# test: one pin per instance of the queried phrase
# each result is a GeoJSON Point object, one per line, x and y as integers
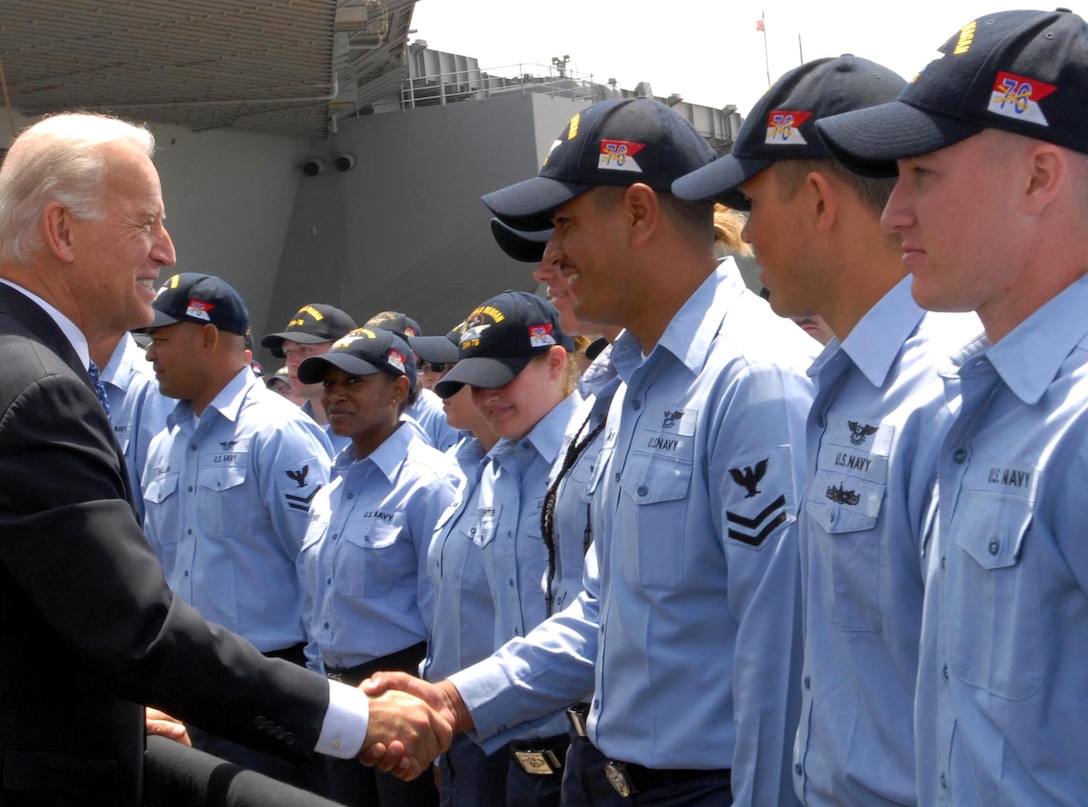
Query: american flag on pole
{"type": "Point", "coordinates": [760, 27]}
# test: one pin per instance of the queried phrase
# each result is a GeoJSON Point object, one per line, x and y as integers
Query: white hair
{"type": "Point", "coordinates": [59, 159]}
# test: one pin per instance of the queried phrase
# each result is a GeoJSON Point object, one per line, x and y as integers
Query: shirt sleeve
{"type": "Point", "coordinates": [757, 475]}
{"type": "Point", "coordinates": [343, 730]}
{"type": "Point", "coordinates": [528, 679]}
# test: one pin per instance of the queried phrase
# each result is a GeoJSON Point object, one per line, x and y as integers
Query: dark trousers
{"type": "Point", "coordinates": [471, 778]}
{"type": "Point", "coordinates": [351, 783]}
{"type": "Point", "coordinates": [584, 781]}
{"type": "Point", "coordinates": [527, 789]}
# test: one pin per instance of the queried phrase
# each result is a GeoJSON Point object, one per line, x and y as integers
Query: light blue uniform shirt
{"type": "Point", "coordinates": [227, 506]}
{"type": "Point", "coordinates": [598, 385]}
{"type": "Point", "coordinates": [363, 562]}
{"type": "Point", "coordinates": [1002, 707]}
{"type": "Point", "coordinates": [873, 435]}
{"type": "Point", "coordinates": [464, 615]}
{"type": "Point", "coordinates": [697, 596]}
{"type": "Point", "coordinates": [137, 409]}
{"type": "Point", "coordinates": [430, 416]}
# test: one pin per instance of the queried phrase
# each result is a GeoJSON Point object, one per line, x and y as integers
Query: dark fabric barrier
{"type": "Point", "coordinates": [178, 776]}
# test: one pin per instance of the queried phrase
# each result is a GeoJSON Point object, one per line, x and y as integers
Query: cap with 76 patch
{"type": "Point", "coordinates": [1019, 71]}
{"type": "Point", "coordinates": [500, 337]}
{"type": "Point", "coordinates": [621, 141]}
{"type": "Point", "coordinates": [782, 125]}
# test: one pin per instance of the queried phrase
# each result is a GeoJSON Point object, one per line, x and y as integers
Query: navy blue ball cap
{"type": "Point", "coordinates": [311, 325]}
{"type": "Point", "coordinates": [395, 321]}
{"type": "Point", "coordinates": [783, 124]}
{"type": "Point", "coordinates": [526, 246]}
{"type": "Point", "coordinates": [1019, 71]}
{"type": "Point", "coordinates": [363, 351]}
{"type": "Point", "coordinates": [500, 338]}
{"type": "Point", "coordinates": [621, 141]}
{"type": "Point", "coordinates": [439, 349]}
{"type": "Point", "coordinates": [200, 298]}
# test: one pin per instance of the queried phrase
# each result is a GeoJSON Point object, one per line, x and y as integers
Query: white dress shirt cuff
{"type": "Point", "coordinates": [344, 728]}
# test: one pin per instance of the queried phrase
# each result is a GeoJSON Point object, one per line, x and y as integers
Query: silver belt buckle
{"type": "Point", "coordinates": [577, 720]}
{"type": "Point", "coordinates": [617, 775]}
{"type": "Point", "coordinates": [538, 763]}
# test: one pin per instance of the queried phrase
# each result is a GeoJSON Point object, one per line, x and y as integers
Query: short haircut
{"type": "Point", "coordinates": [873, 193]}
{"type": "Point", "coordinates": [695, 217]}
{"type": "Point", "coordinates": [59, 159]}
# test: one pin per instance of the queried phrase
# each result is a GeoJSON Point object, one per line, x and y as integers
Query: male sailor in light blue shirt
{"type": "Point", "coordinates": [992, 208]}
{"type": "Point", "coordinates": [228, 483]}
{"type": "Point", "coordinates": [137, 409]}
{"type": "Point", "coordinates": [689, 635]}
{"type": "Point", "coordinates": [311, 332]}
{"type": "Point", "coordinates": [872, 434]}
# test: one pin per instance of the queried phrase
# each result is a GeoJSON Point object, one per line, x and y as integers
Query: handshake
{"type": "Point", "coordinates": [411, 723]}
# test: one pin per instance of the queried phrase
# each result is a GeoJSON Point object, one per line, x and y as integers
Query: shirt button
{"type": "Point", "coordinates": [636, 404]}
{"type": "Point", "coordinates": [336, 744]}
{"type": "Point", "coordinates": [328, 581]}
{"type": "Point", "coordinates": [808, 682]}
{"type": "Point", "coordinates": [596, 703]}
{"type": "Point", "coordinates": [942, 561]}
{"type": "Point", "coordinates": [192, 447]}
{"type": "Point", "coordinates": [186, 573]}
{"type": "Point", "coordinates": [190, 488]}
{"type": "Point", "coordinates": [472, 531]}
{"type": "Point", "coordinates": [944, 782]}
{"type": "Point", "coordinates": [617, 476]}
{"type": "Point", "coordinates": [994, 547]}
{"type": "Point", "coordinates": [335, 535]}
{"type": "Point", "coordinates": [820, 421]}
{"type": "Point", "coordinates": [959, 456]}
{"type": "Point", "coordinates": [944, 671]}
{"type": "Point", "coordinates": [326, 626]}
{"type": "Point", "coordinates": [797, 768]}
{"type": "Point", "coordinates": [189, 532]}
{"type": "Point", "coordinates": [642, 491]}
{"type": "Point", "coordinates": [351, 496]}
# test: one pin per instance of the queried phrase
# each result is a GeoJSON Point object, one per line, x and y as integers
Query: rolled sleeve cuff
{"type": "Point", "coordinates": [346, 721]}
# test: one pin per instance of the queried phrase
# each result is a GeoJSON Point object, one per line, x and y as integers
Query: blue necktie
{"type": "Point", "coordinates": [99, 387]}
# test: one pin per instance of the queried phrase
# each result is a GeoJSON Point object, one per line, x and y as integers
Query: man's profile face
{"type": "Point", "coordinates": [775, 231]}
{"type": "Point", "coordinates": [584, 247]}
{"type": "Point", "coordinates": [175, 354]}
{"type": "Point", "coordinates": [297, 352]}
{"type": "Point", "coordinates": [954, 210]}
{"type": "Point", "coordinates": [118, 254]}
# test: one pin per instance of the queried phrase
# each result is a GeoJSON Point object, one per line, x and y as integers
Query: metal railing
{"type": "Point", "coordinates": [475, 84]}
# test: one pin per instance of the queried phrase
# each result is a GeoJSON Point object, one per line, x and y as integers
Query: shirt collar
{"type": "Point", "coordinates": [122, 364]}
{"type": "Point", "coordinates": [692, 329]}
{"type": "Point", "coordinates": [875, 342]}
{"type": "Point", "coordinates": [227, 402]}
{"type": "Point", "coordinates": [67, 327]}
{"type": "Point", "coordinates": [546, 437]}
{"type": "Point", "coordinates": [387, 457]}
{"type": "Point", "coordinates": [1031, 355]}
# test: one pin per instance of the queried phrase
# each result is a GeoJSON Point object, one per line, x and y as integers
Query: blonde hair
{"type": "Point", "coordinates": [728, 225]}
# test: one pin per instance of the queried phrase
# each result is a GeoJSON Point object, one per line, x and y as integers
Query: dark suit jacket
{"type": "Point", "coordinates": [88, 627]}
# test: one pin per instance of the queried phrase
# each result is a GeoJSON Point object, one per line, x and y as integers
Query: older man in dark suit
{"type": "Point", "coordinates": [88, 628]}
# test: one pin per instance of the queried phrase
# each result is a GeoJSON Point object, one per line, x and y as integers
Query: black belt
{"type": "Point", "coordinates": [628, 778]}
{"type": "Point", "coordinates": [541, 757]}
{"type": "Point", "coordinates": [296, 654]}
{"type": "Point", "coordinates": [406, 660]}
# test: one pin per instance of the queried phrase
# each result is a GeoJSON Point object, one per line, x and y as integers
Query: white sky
{"type": "Point", "coordinates": [706, 50]}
